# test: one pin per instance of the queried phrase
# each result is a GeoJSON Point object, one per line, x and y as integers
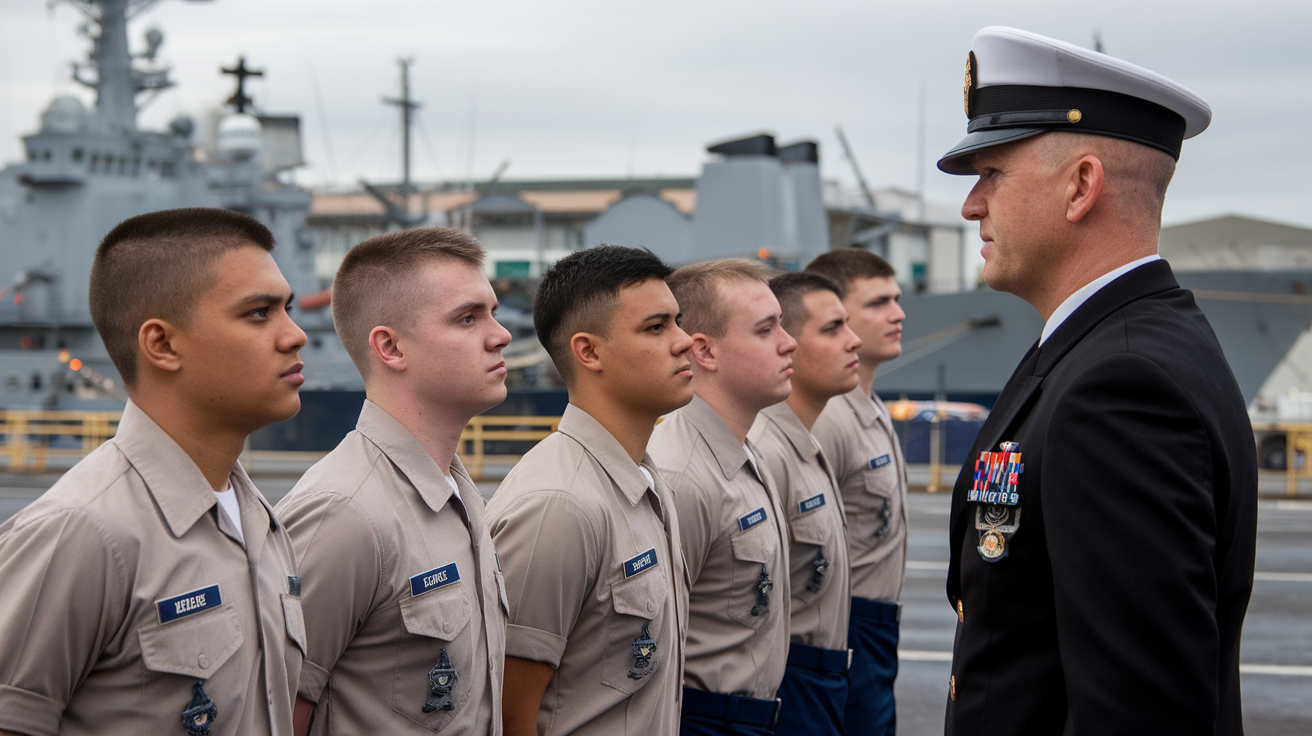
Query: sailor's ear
{"type": "Point", "coordinates": [385, 344]}
{"type": "Point", "coordinates": [703, 352]}
{"type": "Point", "coordinates": [584, 346]}
{"type": "Point", "coordinates": [155, 343]}
{"type": "Point", "coordinates": [1083, 188]}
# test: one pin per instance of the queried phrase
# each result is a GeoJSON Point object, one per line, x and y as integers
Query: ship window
{"type": "Point", "coordinates": [36, 381]}
{"type": "Point", "coordinates": [13, 382]}
{"type": "Point", "coordinates": [46, 155]}
{"type": "Point", "coordinates": [77, 154]}
{"type": "Point", "coordinates": [95, 159]}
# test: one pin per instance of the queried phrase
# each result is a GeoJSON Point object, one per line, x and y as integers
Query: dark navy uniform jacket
{"type": "Point", "coordinates": [1118, 606]}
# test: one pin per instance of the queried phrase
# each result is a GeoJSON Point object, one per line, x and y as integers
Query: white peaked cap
{"type": "Point", "coordinates": [1020, 84]}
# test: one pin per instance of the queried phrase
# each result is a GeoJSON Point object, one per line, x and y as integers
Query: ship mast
{"type": "Point", "coordinates": [116, 81]}
{"type": "Point", "coordinates": [407, 107]}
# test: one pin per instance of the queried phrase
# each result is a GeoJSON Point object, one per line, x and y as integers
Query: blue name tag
{"type": "Point", "coordinates": [879, 462]}
{"type": "Point", "coordinates": [644, 561]}
{"type": "Point", "coordinates": [433, 579]}
{"type": "Point", "coordinates": [812, 503]}
{"type": "Point", "coordinates": [172, 609]}
{"type": "Point", "coordinates": [750, 520]}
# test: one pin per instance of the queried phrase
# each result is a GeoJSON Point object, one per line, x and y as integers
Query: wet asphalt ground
{"type": "Point", "coordinates": [1277, 642]}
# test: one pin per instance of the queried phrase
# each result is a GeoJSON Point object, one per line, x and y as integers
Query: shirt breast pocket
{"type": "Point", "coordinates": [634, 647]}
{"type": "Point", "coordinates": [193, 646]}
{"type": "Point", "coordinates": [752, 584]}
{"type": "Point", "coordinates": [877, 506]}
{"type": "Point", "coordinates": [815, 530]}
{"type": "Point", "coordinates": [435, 652]}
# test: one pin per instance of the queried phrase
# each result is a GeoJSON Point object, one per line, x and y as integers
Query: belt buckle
{"type": "Point", "coordinates": [774, 717]}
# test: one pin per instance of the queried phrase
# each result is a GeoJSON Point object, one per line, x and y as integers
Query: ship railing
{"type": "Point", "coordinates": [33, 439]}
{"type": "Point", "coordinates": [1298, 450]}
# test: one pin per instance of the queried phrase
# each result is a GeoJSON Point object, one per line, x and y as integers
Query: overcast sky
{"type": "Point", "coordinates": [577, 88]}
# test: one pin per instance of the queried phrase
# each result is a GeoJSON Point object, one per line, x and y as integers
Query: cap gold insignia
{"type": "Point", "coordinates": [1074, 116]}
{"type": "Point", "coordinates": [970, 80]}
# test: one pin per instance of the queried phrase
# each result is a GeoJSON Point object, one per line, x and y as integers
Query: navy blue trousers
{"type": "Point", "coordinates": [814, 692]}
{"type": "Point", "coordinates": [872, 634]}
{"type": "Point", "coordinates": [711, 714]}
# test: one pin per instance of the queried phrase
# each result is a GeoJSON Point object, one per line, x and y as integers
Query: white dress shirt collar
{"type": "Point", "coordinates": [1073, 302]}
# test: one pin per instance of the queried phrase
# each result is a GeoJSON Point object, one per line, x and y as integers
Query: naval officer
{"type": "Point", "coordinates": [404, 604]}
{"type": "Point", "coordinates": [151, 590]}
{"type": "Point", "coordinates": [587, 531]}
{"type": "Point", "coordinates": [735, 538]}
{"type": "Point", "coordinates": [815, 685]}
{"type": "Point", "coordinates": [1103, 529]}
{"type": "Point", "coordinates": [856, 433]}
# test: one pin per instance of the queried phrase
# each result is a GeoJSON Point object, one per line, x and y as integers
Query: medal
{"type": "Point", "coordinates": [995, 524]}
{"type": "Point", "coordinates": [997, 476]}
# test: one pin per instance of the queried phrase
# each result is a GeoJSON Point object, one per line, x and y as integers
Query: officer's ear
{"type": "Point", "coordinates": [155, 342]}
{"type": "Point", "coordinates": [1084, 187]}
{"type": "Point", "coordinates": [385, 344]}
{"type": "Point", "coordinates": [584, 347]}
{"type": "Point", "coordinates": [703, 352]}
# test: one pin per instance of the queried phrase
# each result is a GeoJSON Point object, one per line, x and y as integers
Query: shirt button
{"type": "Point", "coordinates": [203, 662]}
{"type": "Point", "coordinates": [961, 611]}
{"type": "Point", "coordinates": [650, 606]}
{"type": "Point", "coordinates": [446, 628]}
{"type": "Point", "coordinates": [952, 687]}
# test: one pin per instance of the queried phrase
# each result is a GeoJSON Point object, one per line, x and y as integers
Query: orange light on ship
{"type": "Point", "coordinates": [763, 253]}
{"type": "Point", "coordinates": [75, 364]}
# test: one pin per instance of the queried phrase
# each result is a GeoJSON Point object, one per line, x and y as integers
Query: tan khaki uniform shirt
{"type": "Point", "coordinates": [821, 572]}
{"type": "Point", "coordinates": [595, 580]}
{"type": "Point", "coordinates": [857, 436]}
{"type": "Point", "coordinates": [122, 587]}
{"type": "Point", "coordinates": [732, 529]}
{"type": "Point", "coordinates": [399, 573]}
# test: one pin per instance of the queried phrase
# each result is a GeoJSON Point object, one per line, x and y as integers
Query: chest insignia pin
{"type": "Point", "coordinates": [441, 681]}
{"type": "Point", "coordinates": [200, 714]}
{"type": "Point", "coordinates": [763, 587]}
{"type": "Point", "coordinates": [644, 655]}
{"type": "Point", "coordinates": [821, 566]}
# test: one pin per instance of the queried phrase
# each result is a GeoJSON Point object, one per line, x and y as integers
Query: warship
{"type": "Point", "coordinates": [85, 170]}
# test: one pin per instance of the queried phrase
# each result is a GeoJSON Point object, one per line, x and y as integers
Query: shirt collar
{"type": "Point", "coordinates": [607, 451]}
{"type": "Point", "coordinates": [863, 405]}
{"type": "Point", "coordinates": [726, 449]}
{"type": "Point", "coordinates": [172, 478]}
{"type": "Point", "coordinates": [783, 417]}
{"type": "Point", "coordinates": [406, 453]}
{"type": "Point", "coordinates": [1073, 302]}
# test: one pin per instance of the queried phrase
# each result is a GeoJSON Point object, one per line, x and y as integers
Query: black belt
{"type": "Point", "coordinates": [820, 660]}
{"type": "Point", "coordinates": [877, 610]}
{"type": "Point", "coordinates": [731, 708]}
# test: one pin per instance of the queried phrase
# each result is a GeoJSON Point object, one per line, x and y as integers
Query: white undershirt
{"type": "Point", "coordinates": [651, 483]}
{"type": "Point", "coordinates": [455, 488]}
{"type": "Point", "coordinates": [228, 502]}
{"type": "Point", "coordinates": [1073, 302]}
{"type": "Point", "coordinates": [752, 459]}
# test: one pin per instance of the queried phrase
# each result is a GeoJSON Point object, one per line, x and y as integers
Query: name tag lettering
{"type": "Point", "coordinates": [172, 609]}
{"type": "Point", "coordinates": [747, 521]}
{"type": "Point", "coordinates": [644, 561]}
{"type": "Point", "coordinates": [879, 462]}
{"type": "Point", "coordinates": [433, 579]}
{"type": "Point", "coordinates": [812, 503]}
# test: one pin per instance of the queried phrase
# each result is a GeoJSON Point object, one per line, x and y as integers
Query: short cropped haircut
{"type": "Point", "coordinates": [791, 289]}
{"type": "Point", "coordinates": [157, 266]}
{"type": "Point", "coordinates": [378, 283]}
{"type": "Point", "coordinates": [579, 294]}
{"type": "Point", "coordinates": [845, 265]}
{"type": "Point", "coordinates": [697, 288]}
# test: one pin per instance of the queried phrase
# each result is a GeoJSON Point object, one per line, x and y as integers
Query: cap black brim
{"type": "Point", "coordinates": [957, 160]}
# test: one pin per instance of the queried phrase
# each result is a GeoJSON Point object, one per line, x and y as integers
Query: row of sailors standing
{"type": "Point", "coordinates": [691, 580]}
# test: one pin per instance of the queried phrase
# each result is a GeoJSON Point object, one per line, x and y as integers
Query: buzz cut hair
{"type": "Point", "coordinates": [845, 265]}
{"type": "Point", "coordinates": [379, 282]}
{"type": "Point", "coordinates": [157, 266]}
{"type": "Point", "coordinates": [697, 289]}
{"type": "Point", "coordinates": [579, 293]}
{"type": "Point", "coordinates": [791, 289]}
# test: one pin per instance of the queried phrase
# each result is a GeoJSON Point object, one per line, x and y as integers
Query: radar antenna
{"type": "Point", "coordinates": [239, 100]}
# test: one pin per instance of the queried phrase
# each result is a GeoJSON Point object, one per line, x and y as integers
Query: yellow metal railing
{"type": "Point", "coordinates": [1298, 451]}
{"type": "Point", "coordinates": [32, 438]}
